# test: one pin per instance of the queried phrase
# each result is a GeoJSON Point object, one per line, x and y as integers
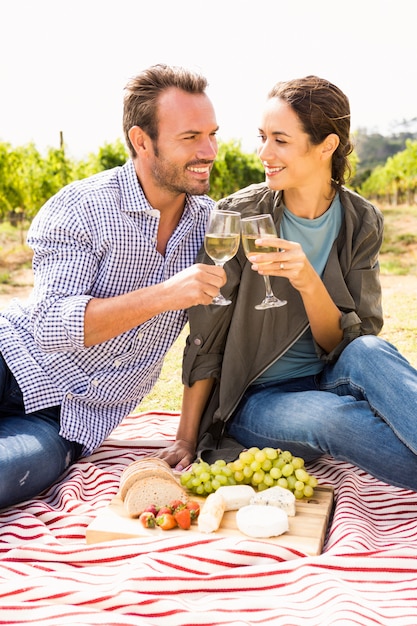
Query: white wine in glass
{"type": "Point", "coordinates": [221, 241]}
{"type": "Point", "coordinates": [253, 228]}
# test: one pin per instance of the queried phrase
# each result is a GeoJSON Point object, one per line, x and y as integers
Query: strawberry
{"type": "Point", "coordinates": [147, 519]}
{"type": "Point", "coordinates": [194, 508]}
{"type": "Point", "coordinates": [166, 521]}
{"type": "Point", "coordinates": [164, 509]}
{"type": "Point", "coordinates": [183, 518]}
{"type": "Point", "coordinates": [176, 504]}
{"type": "Point", "coordinates": [152, 508]}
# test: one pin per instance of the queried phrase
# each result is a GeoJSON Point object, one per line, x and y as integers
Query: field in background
{"type": "Point", "coordinates": [398, 276]}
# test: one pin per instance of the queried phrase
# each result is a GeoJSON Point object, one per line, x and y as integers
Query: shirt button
{"type": "Point", "coordinates": [197, 341]}
{"type": "Point", "coordinates": [95, 382]}
{"type": "Point", "coordinates": [117, 363]}
{"type": "Point", "coordinates": [69, 396]}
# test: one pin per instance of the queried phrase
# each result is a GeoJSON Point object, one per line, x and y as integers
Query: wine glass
{"type": "Point", "coordinates": [257, 227]}
{"type": "Point", "coordinates": [221, 241]}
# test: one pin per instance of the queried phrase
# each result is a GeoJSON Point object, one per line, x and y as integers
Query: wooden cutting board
{"type": "Point", "coordinates": [307, 529]}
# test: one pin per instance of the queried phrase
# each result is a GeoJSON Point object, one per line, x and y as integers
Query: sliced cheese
{"type": "Point", "coordinates": [211, 513]}
{"type": "Point", "coordinates": [257, 520]}
{"type": "Point", "coordinates": [236, 496]}
{"type": "Point", "coordinates": [276, 496]}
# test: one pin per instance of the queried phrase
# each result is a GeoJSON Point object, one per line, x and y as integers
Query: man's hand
{"type": "Point", "coordinates": [197, 284]}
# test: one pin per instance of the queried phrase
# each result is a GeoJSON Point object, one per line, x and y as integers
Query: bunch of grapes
{"type": "Point", "coordinates": [260, 468]}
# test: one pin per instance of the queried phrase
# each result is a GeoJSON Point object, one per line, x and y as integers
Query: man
{"type": "Point", "coordinates": [114, 270]}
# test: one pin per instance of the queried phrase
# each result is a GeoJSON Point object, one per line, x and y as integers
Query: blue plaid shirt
{"type": "Point", "coordinates": [95, 238]}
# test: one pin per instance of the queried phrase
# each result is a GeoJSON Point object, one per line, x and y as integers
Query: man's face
{"type": "Point", "coordinates": [187, 145]}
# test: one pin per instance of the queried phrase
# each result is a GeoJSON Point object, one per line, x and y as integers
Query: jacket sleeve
{"type": "Point", "coordinates": [361, 300]}
{"type": "Point", "coordinates": [209, 327]}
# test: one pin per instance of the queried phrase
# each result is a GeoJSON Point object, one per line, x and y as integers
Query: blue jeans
{"type": "Point", "coordinates": [361, 409]}
{"type": "Point", "coordinates": [32, 453]}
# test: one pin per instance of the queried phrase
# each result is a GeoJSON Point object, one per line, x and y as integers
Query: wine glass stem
{"type": "Point", "coordinates": [268, 288]}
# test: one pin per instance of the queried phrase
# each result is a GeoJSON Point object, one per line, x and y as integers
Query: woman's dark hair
{"type": "Point", "coordinates": [322, 109]}
{"type": "Point", "coordinates": [142, 93]}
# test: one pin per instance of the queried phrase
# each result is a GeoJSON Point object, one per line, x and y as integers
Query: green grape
{"type": "Point", "coordinates": [255, 466]}
{"type": "Point", "coordinates": [237, 466]}
{"type": "Point", "coordinates": [301, 474]}
{"type": "Point", "coordinates": [215, 484]}
{"type": "Point", "coordinates": [204, 476]}
{"type": "Point", "coordinates": [253, 450]}
{"type": "Point", "coordinates": [185, 477]}
{"type": "Point", "coordinates": [260, 456]}
{"type": "Point", "coordinates": [291, 480]}
{"type": "Point", "coordinates": [200, 489]}
{"type": "Point", "coordinates": [287, 456]}
{"type": "Point", "coordinates": [298, 494]}
{"type": "Point", "coordinates": [287, 470]}
{"type": "Point", "coordinates": [275, 473]}
{"type": "Point", "coordinates": [279, 462]}
{"type": "Point", "coordinates": [247, 471]}
{"type": "Point", "coordinates": [308, 491]}
{"type": "Point", "coordinates": [312, 481]}
{"type": "Point", "coordinates": [239, 476]}
{"type": "Point", "coordinates": [257, 477]}
{"type": "Point", "coordinates": [282, 482]}
{"type": "Point", "coordinates": [269, 481]}
{"type": "Point", "coordinates": [297, 462]}
{"type": "Point", "coordinates": [246, 457]}
{"type": "Point", "coordinates": [208, 487]}
{"type": "Point", "coordinates": [299, 485]}
{"type": "Point", "coordinates": [271, 453]}
{"type": "Point", "coordinates": [266, 465]}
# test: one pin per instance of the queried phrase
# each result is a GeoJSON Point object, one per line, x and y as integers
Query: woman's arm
{"type": "Point", "coordinates": [182, 452]}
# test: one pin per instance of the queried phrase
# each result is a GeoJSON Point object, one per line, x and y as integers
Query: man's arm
{"type": "Point", "coordinates": [106, 318]}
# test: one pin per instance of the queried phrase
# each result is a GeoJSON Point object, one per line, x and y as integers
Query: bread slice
{"type": "Point", "coordinates": [153, 489]}
{"type": "Point", "coordinates": [140, 469]}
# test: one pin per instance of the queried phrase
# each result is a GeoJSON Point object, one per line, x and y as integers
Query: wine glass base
{"type": "Point", "coordinates": [270, 304]}
{"type": "Point", "coordinates": [220, 301]}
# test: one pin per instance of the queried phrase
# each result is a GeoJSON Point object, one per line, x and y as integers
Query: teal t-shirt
{"type": "Point", "coordinates": [316, 238]}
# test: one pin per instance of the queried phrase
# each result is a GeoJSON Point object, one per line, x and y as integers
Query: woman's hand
{"type": "Point", "coordinates": [289, 261]}
{"type": "Point", "coordinates": [179, 455]}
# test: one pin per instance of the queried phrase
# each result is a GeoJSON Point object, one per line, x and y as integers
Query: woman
{"type": "Point", "coordinates": [310, 377]}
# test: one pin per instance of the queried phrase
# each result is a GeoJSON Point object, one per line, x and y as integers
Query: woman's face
{"type": "Point", "coordinates": [289, 158]}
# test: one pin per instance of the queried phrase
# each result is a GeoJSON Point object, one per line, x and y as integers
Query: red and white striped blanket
{"type": "Point", "coordinates": [366, 574]}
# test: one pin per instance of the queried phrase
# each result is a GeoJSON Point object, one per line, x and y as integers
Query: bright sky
{"type": "Point", "coordinates": [64, 64]}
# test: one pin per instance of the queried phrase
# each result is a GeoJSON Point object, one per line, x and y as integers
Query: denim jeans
{"type": "Point", "coordinates": [362, 409]}
{"type": "Point", "coordinates": [32, 453]}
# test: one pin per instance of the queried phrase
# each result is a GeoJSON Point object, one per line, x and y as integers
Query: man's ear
{"type": "Point", "coordinates": [139, 139]}
{"type": "Point", "coordinates": [330, 145]}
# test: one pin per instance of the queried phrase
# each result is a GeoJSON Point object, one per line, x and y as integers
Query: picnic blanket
{"type": "Point", "coordinates": [366, 574]}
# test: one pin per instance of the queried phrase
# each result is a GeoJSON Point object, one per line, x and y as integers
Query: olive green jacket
{"type": "Point", "coordinates": [235, 344]}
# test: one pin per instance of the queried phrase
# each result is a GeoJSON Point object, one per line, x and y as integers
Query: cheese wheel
{"type": "Point", "coordinates": [258, 520]}
{"type": "Point", "coordinates": [276, 496]}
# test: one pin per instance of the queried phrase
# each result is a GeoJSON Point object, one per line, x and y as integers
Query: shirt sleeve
{"type": "Point", "coordinates": [65, 265]}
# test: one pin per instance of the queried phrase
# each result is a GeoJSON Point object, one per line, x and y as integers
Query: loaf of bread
{"type": "Point", "coordinates": [149, 481]}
